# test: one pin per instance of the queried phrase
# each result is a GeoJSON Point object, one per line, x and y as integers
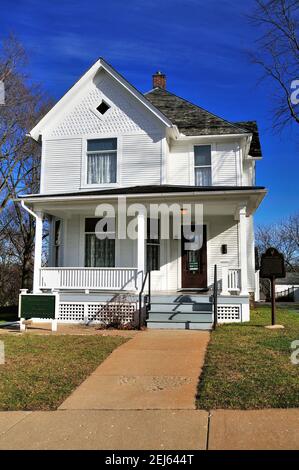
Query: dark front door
{"type": "Point", "coordinates": [194, 264]}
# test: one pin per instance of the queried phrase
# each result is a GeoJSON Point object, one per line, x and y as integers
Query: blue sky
{"type": "Point", "coordinates": [201, 45]}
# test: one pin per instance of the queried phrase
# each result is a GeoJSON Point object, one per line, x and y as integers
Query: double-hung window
{"type": "Point", "coordinates": [101, 161]}
{"type": "Point", "coordinates": [202, 165]}
{"type": "Point", "coordinates": [153, 245]}
{"type": "Point", "coordinates": [57, 241]}
{"type": "Point", "coordinates": [99, 251]}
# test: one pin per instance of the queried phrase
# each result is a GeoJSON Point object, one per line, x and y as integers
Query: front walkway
{"type": "Point", "coordinates": [143, 397]}
{"type": "Point", "coordinates": [154, 370]}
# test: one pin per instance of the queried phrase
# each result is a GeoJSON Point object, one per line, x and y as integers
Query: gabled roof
{"type": "Point", "coordinates": [255, 150]}
{"type": "Point", "coordinates": [192, 120]}
{"type": "Point", "coordinates": [59, 107]}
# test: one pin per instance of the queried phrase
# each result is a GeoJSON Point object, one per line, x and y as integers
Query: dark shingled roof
{"type": "Point", "coordinates": [255, 147]}
{"type": "Point", "coordinates": [192, 120]}
{"type": "Point", "coordinates": [150, 189]}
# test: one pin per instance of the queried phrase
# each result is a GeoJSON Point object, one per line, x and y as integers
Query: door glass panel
{"type": "Point", "coordinates": [192, 261]}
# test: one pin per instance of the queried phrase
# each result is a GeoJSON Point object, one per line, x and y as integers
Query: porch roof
{"type": "Point", "coordinates": [149, 189]}
{"type": "Point", "coordinates": [218, 196]}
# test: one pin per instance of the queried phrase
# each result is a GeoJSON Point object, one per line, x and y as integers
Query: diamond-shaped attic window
{"type": "Point", "coordinates": [103, 107]}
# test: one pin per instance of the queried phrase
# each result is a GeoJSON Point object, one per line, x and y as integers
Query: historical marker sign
{"type": "Point", "coordinates": [43, 306]}
{"type": "Point", "coordinates": [272, 267]}
{"type": "Point", "coordinates": [272, 264]}
{"type": "Point", "coordinates": [38, 306]}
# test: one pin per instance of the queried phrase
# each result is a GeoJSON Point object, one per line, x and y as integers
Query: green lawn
{"type": "Point", "coordinates": [249, 367]}
{"type": "Point", "coordinates": [41, 371]}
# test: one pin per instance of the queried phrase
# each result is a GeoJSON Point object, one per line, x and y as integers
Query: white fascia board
{"type": "Point", "coordinates": [89, 75]}
{"type": "Point", "coordinates": [84, 197]}
{"type": "Point", "coordinates": [135, 93]}
{"type": "Point", "coordinates": [249, 157]}
{"type": "Point", "coordinates": [212, 136]}
{"type": "Point", "coordinates": [64, 101]}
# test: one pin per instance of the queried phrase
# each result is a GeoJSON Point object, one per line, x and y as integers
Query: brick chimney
{"type": "Point", "coordinates": [159, 80]}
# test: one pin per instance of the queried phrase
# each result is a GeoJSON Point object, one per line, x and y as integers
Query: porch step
{"type": "Point", "coordinates": [179, 325]}
{"type": "Point", "coordinates": [181, 311]}
{"type": "Point", "coordinates": [173, 308]}
{"type": "Point", "coordinates": [201, 317]}
{"type": "Point", "coordinates": [180, 298]}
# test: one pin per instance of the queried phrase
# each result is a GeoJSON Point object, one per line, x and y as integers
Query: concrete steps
{"type": "Point", "coordinates": [186, 311]}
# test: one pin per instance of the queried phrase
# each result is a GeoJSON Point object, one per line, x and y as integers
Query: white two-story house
{"type": "Point", "coordinates": [105, 142]}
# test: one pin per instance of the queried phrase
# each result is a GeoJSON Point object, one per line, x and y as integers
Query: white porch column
{"type": "Point", "coordinates": [224, 275]}
{"type": "Point", "coordinates": [257, 286]}
{"type": "Point", "coordinates": [37, 250]}
{"type": "Point", "coordinates": [243, 251]}
{"type": "Point", "coordinates": [141, 220]}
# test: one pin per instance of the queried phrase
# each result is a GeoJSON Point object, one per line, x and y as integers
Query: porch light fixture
{"type": "Point", "coordinates": [184, 211]}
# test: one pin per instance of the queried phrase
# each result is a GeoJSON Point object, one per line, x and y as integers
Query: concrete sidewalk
{"type": "Point", "coordinates": [151, 430]}
{"type": "Point", "coordinates": [154, 370]}
{"type": "Point", "coordinates": [143, 397]}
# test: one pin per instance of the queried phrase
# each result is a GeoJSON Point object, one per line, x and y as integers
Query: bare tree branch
{"type": "Point", "coordinates": [277, 53]}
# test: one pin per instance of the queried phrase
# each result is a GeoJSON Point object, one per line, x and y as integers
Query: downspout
{"type": "Point", "coordinates": [28, 210]}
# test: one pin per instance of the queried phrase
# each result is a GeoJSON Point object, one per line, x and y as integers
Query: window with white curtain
{"type": "Point", "coordinates": [101, 161]}
{"type": "Point", "coordinates": [99, 252]}
{"type": "Point", "coordinates": [202, 165]}
{"type": "Point", "coordinates": [153, 245]}
{"type": "Point", "coordinates": [57, 241]}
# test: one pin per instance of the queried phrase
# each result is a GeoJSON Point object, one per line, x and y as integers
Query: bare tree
{"type": "Point", "coordinates": [283, 236]}
{"type": "Point", "coordinates": [24, 105]}
{"type": "Point", "coordinates": [277, 52]}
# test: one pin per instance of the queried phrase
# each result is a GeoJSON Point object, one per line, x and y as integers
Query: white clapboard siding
{"type": "Point", "coordinates": [126, 113]}
{"type": "Point", "coordinates": [179, 164]}
{"type": "Point", "coordinates": [224, 165]}
{"type": "Point", "coordinates": [250, 254]}
{"type": "Point", "coordinates": [61, 166]}
{"type": "Point", "coordinates": [222, 231]}
{"type": "Point", "coordinates": [141, 159]}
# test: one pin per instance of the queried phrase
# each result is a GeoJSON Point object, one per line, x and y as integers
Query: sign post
{"type": "Point", "coordinates": [272, 267]}
{"type": "Point", "coordinates": [273, 304]}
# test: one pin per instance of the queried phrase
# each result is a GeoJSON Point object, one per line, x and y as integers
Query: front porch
{"type": "Point", "coordinates": [119, 280]}
{"type": "Point", "coordinates": [85, 269]}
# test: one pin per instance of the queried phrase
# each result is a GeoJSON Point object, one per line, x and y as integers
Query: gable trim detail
{"type": "Point", "coordinates": [72, 92]}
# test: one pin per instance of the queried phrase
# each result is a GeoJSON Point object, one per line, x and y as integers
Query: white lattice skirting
{"type": "Point", "coordinates": [96, 312]}
{"type": "Point", "coordinates": [229, 313]}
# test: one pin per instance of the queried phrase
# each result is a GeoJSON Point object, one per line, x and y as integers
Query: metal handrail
{"type": "Point", "coordinates": [148, 303]}
{"type": "Point", "coordinates": [215, 297]}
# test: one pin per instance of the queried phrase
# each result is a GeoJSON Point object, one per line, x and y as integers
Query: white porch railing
{"type": "Point", "coordinates": [234, 283]}
{"type": "Point", "coordinates": [89, 278]}
{"type": "Point", "coordinates": [231, 279]}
